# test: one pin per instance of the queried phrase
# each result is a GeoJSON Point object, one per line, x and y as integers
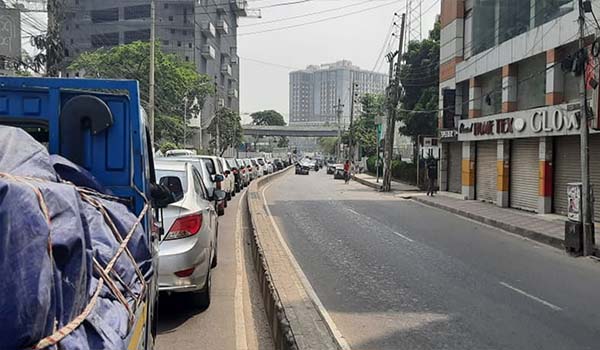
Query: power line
{"type": "Point", "coordinates": [305, 15]}
{"type": "Point", "coordinates": [319, 20]}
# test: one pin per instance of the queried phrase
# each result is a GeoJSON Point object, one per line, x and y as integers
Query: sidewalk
{"type": "Point", "coordinates": [370, 180]}
{"type": "Point", "coordinates": [547, 229]}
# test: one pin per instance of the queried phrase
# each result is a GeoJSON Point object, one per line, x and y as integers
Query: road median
{"type": "Point", "coordinates": [294, 316]}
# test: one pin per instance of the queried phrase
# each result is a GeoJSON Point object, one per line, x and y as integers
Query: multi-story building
{"type": "Point", "coordinates": [316, 90]}
{"type": "Point", "coordinates": [509, 126]}
{"type": "Point", "coordinates": [202, 32]}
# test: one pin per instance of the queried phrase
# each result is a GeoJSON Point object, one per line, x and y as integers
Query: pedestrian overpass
{"type": "Point", "coordinates": [290, 131]}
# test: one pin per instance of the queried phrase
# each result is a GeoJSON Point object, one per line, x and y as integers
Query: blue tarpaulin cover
{"type": "Point", "coordinates": [47, 275]}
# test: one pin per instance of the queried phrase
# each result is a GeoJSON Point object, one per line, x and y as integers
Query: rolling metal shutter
{"type": "Point", "coordinates": [524, 174]}
{"type": "Point", "coordinates": [566, 169]}
{"type": "Point", "coordinates": [485, 185]}
{"type": "Point", "coordinates": [454, 168]}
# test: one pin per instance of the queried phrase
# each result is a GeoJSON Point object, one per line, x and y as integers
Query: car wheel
{"type": "Point", "coordinates": [221, 210]}
{"type": "Point", "coordinates": [225, 202]}
{"type": "Point", "coordinates": [201, 298]}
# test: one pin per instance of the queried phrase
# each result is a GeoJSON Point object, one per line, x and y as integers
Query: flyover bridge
{"type": "Point", "coordinates": [290, 131]}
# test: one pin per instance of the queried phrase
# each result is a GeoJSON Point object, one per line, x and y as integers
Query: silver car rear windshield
{"type": "Point", "coordinates": [171, 179]}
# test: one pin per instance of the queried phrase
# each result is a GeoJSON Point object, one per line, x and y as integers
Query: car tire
{"type": "Point", "coordinates": [201, 298]}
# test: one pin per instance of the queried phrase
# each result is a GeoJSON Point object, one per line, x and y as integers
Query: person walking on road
{"type": "Point", "coordinates": [431, 177]}
{"type": "Point", "coordinates": [347, 168]}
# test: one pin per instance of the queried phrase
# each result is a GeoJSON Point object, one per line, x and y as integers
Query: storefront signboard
{"type": "Point", "coordinates": [546, 121]}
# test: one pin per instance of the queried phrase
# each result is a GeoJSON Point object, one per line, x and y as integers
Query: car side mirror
{"type": "Point", "coordinates": [219, 195]}
{"type": "Point", "coordinates": [219, 178]}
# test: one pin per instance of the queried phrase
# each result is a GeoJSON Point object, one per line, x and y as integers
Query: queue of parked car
{"type": "Point", "coordinates": [202, 186]}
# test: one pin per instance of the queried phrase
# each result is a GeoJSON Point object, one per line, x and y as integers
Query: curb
{"type": "Point", "coordinates": [533, 235]}
{"type": "Point", "coordinates": [366, 183]}
{"type": "Point", "coordinates": [283, 336]}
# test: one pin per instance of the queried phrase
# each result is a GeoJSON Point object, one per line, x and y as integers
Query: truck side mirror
{"type": "Point", "coordinates": [161, 196]}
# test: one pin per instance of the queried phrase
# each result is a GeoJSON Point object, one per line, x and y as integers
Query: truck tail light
{"type": "Point", "coordinates": [185, 226]}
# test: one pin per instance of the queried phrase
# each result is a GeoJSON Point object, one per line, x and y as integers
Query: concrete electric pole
{"type": "Point", "coordinates": [393, 97]}
{"type": "Point", "coordinates": [339, 110]}
{"type": "Point", "coordinates": [586, 207]}
{"type": "Point", "coordinates": [151, 77]}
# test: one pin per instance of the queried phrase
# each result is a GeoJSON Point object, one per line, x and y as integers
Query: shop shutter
{"type": "Point", "coordinates": [524, 174]}
{"type": "Point", "coordinates": [566, 169]}
{"type": "Point", "coordinates": [485, 185]}
{"type": "Point", "coordinates": [454, 168]}
{"type": "Point", "coordinates": [595, 172]}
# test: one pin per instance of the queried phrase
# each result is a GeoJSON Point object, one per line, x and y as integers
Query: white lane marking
{"type": "Point", "coordinates": [403, 236]}
{"type": "Point", "coordinates": [394, 232]}
{"type": "Point", "coordinates": [343, 344]}
{"type": "Point", "coordinates": [541, 301]}
{"type": "Point", "coordinates": [241, 342]}
{"type": "Point", "coordinates": [352, 211]}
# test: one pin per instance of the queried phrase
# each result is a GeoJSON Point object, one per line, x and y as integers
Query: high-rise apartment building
{"type": "Point", "coordinates": [316, 90]}
{"type": "Point", "coordinates": [203, 32]}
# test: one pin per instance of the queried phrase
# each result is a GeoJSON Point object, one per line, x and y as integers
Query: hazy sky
{"type": "Point", "coordinates": [358, 37]}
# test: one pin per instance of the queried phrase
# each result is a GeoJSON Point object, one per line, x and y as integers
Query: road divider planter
{"type": "Point", "coordinates": [295, 320]}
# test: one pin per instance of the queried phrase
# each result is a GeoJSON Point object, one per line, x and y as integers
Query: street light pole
{"type": "Point", "coordinates": [151, 73]}
{"type": "Point", "coordinates": [339, 112]}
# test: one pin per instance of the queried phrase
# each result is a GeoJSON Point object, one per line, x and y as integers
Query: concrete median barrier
{"type": "Point", "coordinates": [294, 316]}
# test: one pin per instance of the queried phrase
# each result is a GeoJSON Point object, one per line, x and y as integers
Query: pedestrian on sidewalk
{"type": "Point", "coordinates": [431, 177]}
{"type": "Point", "coordinates": [347, 168]}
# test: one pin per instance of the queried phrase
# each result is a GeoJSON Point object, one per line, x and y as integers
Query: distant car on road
{"type": "Point", "coordinates": [278, 163]}
{"type": "Point", "coordinates": [189, 250]}
{"type": "Point", "coordinates": [180, 152]}
{"type": "Point", "coordinates": [331, 168]}
{"type": "Point", "coordinates": [303, 167]}
{"type": "Point", "coordinates": [339, 172]}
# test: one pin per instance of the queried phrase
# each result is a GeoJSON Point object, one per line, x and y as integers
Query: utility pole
{"type": "Point", "coordinates": [185, 102]}
{"type": "Point", "coordinates": [339, 111]}
{"type": "Point", "coordinates": [217, 121]}
{"type": "Point", "coordinates": [352, 93]}
{"type": "Point", "coordinates": [54, 48]}
{"type": "Point", "coordinates": [151, 77]}
{"type": "Point", "coordinates": [586, 217]}
{"type": "Point", "coordinates": [393, 97]}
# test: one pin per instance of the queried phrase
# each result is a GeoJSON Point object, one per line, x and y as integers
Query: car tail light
{"type": "Point", "coordinates": [243, 171]}
{"type": "Point", "coordinates": [185, 226]}
{"type": "Point", "coordinates": [185, 273]}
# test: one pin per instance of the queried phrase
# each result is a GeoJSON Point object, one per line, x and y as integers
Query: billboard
{"type": "Point", "coordinates": [10, 33]}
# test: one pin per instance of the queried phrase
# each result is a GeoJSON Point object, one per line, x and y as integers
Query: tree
{"type": "Point", "coordinates": [230, 130]}
{"type": "Point", "coordinates": [420, 80]}
{"type": "Point", "coordinates": [270, 117]}
{"type": "Point", "coordinates": [176, 80]}
{"type": "Point", "coordinates": [267, 117]}
{"type": "Point", "coordinates": [328, 144]}
{"type": "Point", "coordinates": [364, 128]}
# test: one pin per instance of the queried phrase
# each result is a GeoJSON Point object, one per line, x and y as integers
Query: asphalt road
{"type": "Point", "coordinates": [236, 318]}
{"type": "Point", "coordinates": [394, 274]}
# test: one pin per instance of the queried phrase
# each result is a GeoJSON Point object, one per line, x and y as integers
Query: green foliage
{"type": "Point", "coordinates": [167, 146]}
{"type": "Point", "coordinates": [420, 79]}
{"type": "Point", "coordinates": [327, 144]}
{"type": "Point", "coordinates": [364, 127]}
{"type": "Point", "coordinates": [405, 172]}
{"type": "Point", "coordinates": [175, 80]}
{"type": "Point", "coordinates": [230, 130]}
{"type": "Point", "coordinates": [268, 117]}
{"type": "Point", "coordinates": [372, 163]}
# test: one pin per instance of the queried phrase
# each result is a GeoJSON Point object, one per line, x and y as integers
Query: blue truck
{"type": "Point", "coordinates": [99, 147]}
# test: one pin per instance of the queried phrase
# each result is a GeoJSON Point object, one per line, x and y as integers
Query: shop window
{"type": "Point", "coordinates": [531, 83]}
{"type": "Point", "coordinates": [491, 93]}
